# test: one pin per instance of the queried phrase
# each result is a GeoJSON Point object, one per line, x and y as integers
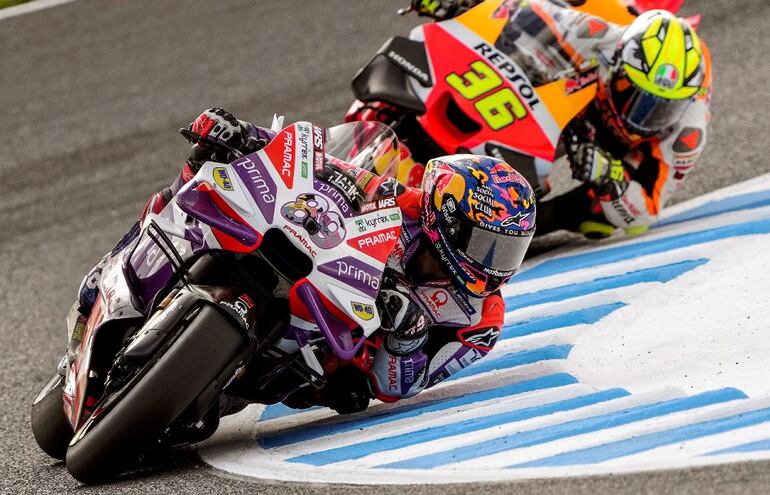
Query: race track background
{"type": "Point", "coordinates": [92, 93]}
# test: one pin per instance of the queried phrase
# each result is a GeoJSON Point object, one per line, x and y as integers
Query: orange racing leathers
{"type": "Point", "coordinates": [553, 41]}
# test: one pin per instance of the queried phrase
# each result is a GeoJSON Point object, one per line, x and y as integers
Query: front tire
{"type": "Point", "coordinates": [50, 427]}
{"type": "Point", "coordinates": [203, 350]}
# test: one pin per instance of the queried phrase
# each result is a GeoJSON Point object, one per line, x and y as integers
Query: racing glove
{"type": "Point", "coordinates": [442, 9]}
{"type": "Point", "coordinates": [399, 314]}
{"type": "Point", "coordinates": [590, 163]}
{"type": "Point", "coordinates": [607, 175]}
{"type": "Point", "coordinates": [399, 369]}
{"type": "Point", "coordinates": [219, 132]}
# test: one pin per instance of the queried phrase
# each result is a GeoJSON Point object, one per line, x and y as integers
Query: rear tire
{"type": "Point", "coordinates": [203, 350]}
{"type": "Point", "coordinates": [50, 427]}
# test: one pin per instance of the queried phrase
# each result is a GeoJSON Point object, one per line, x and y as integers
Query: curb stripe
{"type": "Point", "coordinates": [363, 449]}
{"type": "Point", "coordinates": [544, 323]}
{"type": "Point", "coordinates": [305, 433]}
{"type": "Point", "coordinates": [663, 273]}
{"type": "Point", "coordinates": [631, 446]}
{"type": "Point", "coordinates": [746, 201]}
{"type": "Point", "coordinates": [746, 447]}
{"type": "Point", "coordinates": [569, 429]}
{"type": "Point", "coordinates": [29, 7]}
{"type": "Point", "coordinates": [635, 250]}
{"type": "Point", "coordinates": [513, 360]}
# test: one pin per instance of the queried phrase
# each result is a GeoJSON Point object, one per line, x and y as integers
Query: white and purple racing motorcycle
{"type": "Point", "coordinates": [252, 276]}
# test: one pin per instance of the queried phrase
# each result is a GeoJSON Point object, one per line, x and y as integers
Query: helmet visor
{"type": "Point", "coordinates": [643, 112]}
{"type": "Point", "coordinates": [492, 250]}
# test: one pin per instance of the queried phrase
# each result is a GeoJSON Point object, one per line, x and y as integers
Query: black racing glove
{"type": "Point", "coordinates": [590, 163]}
{"type": "Point", "coordinates": [443, 9]}
{"type": "Point", "coordinates": [399, 314]}
{"type": "Point", "coordinates": [216, 133]}
{"type": "Point", "coordinates": [607, 175]}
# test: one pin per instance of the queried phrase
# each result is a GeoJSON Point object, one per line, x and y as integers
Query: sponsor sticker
{"type": "Point", "coordinates": [480, 338]}
{"type": "Point", "coordinates": [375, 239]}
{"type": "Point", "coordinates": [259, 183]}
{"type": "Point", "coordinates": [222, 179]}
{"type": "Point", "coordinates": [335, 195]}
{"type": "Point", "coordinates": [510, 71]}
{"type": "Point", "coordinates": [581, 81]}
{"type": "Point", "coordinates": [355, 273]}
{"type": "Point", "coordinates": [412, 69]}
{"type": "Point", "coordinates": [514, 219]}
{"type": "Point", "coordinates": [303, 137]}
{"type": "Point", "coordinates": [346, 185]}
{"type": "Point", "coordinates": [318, 149]}
{"type": "Point", "coordinates": [380, 204]}
{"type": "Point", "coordinates": [667, 76]}
{"type": "Point", "coordinates": [434, 300]}
{"type": "Point", "coordinates": [593, 28]}
{"type": "Point", "coordinates": [363, 311]}
{"type": "Point", "coordinates": [372, 222]}
{"type": "Point", "coordinates": [688, 140]}
{"type": "Point", "coordinates": [240, 306]}
{"type": "Point", "coordinates": [301, 239]}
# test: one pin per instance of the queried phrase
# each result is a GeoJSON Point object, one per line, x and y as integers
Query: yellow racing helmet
{"type": "Point", "coordinates": [658, 70]}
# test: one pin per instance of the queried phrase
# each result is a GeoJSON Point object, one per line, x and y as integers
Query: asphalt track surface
{"type": "Point", "coordinates": [91, 95]}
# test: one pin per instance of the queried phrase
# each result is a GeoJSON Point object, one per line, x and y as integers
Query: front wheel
{"type": "Point", "coordinates": [203, 350]}
{"type": "Point", "coordinates": [50, 427]}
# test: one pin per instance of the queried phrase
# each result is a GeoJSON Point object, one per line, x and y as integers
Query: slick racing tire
{"type": "Point", "coordinates": [50, 427]}
{"type": "Point", "coordinates": [203, 350]}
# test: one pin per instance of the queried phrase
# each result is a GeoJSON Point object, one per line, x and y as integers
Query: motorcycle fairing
{"type": "Point", "coordinates": [275, 188]}
{"type": "Point", "coordinates": [537, 114]}
{"type": "Point", "coordinates": [384, 77]}
{"type": "Point", "coordinates": [115, 302]}
{"type": "Point", "coordinates": [231, 207]}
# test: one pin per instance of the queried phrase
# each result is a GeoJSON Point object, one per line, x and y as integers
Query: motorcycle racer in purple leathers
{"type": "Point", "coordinates": [464, 234]}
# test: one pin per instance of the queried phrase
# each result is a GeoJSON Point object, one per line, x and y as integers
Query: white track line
{"type": "Point", "coordinates": [26, 8]}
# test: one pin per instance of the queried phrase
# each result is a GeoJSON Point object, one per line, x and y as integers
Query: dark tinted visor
{"type": "Point", "coordinates": [643, 112]}
{"type": "Point", "coordinates": [493, 250]}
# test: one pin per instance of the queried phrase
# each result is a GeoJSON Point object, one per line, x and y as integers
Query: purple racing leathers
{"type": "Point", "coordinates": [460, 329]}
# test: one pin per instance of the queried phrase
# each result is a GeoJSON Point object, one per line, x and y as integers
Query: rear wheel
{"type": "Point", "coordinates": [203, 350]}
{"type": "Point", "coordinates": [50, 427]}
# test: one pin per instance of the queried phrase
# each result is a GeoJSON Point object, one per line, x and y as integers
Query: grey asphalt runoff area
{"type": "Point", "coordinates": [91, 96]}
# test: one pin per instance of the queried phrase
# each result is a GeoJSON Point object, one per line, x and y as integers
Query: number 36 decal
{"type": "Point", "coordinates": [499, 109]}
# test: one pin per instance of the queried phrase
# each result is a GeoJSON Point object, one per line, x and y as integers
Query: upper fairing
{"type": "Point", "coordinates": [277, 188]}
{"type": "Point", "coordinates": [520, 94]}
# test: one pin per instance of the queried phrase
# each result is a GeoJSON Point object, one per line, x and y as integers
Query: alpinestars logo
{"type": "Point", "coordinates": [480, 338]}
{"type": "Point", "coordinates": [514, 219]}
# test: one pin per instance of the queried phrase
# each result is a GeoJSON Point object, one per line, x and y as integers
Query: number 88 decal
{"type": "Point", "coordinates": [499, 109]}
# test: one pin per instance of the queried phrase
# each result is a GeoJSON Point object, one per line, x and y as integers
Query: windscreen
{"type": "Point", "coordinates": [371, 146]}
{"type": "Point", "coordinates": [530, 42]}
